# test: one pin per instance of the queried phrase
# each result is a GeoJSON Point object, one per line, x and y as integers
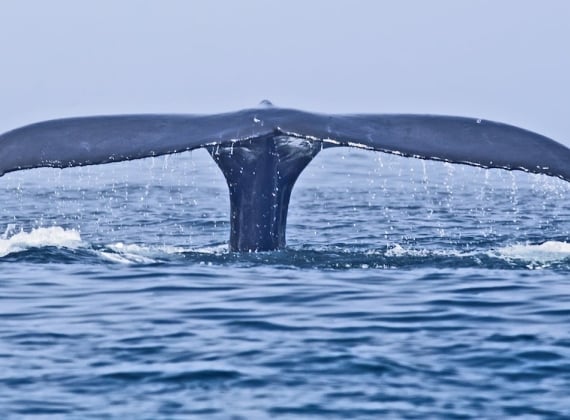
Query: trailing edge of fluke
{"type": "Point", "coordinates": [262, 151]}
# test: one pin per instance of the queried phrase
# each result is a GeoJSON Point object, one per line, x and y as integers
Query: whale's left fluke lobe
{"type": "Point", "coordinates": [262, 151]}
{"type": "Point", "coordinates": [83, 141]}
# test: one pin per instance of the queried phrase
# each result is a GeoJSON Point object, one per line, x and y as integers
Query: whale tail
{"type": "Point", "coordinates": [262, 151]}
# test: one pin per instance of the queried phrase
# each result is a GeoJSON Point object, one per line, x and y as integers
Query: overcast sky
{"type": "Point", "coordinates": [503, 60]}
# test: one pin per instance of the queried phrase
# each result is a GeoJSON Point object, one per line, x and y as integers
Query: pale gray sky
{"type": "Point", "coordinates": [503, 60]}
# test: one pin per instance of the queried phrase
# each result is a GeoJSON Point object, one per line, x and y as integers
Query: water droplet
{"type": "Point", "coordinates": [266, 103]}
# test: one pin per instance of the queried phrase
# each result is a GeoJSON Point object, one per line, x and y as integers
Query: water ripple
{"type": "Point", "coordinates": [440, 296]}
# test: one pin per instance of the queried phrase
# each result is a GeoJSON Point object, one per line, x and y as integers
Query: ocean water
{"type": "Point", "coordinates": [408, 289]}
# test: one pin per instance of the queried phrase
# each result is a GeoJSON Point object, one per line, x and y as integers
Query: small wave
{"type": "Point", "coordinates": [38, 238]}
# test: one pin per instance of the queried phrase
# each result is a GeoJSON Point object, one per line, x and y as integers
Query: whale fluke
{"type": "Point", "coordinates": [262, 151]}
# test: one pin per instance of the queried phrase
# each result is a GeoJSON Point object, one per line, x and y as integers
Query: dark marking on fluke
{"type": "Point", "coordinates": [261, 151]}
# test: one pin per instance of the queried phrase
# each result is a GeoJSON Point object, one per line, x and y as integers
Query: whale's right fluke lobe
{"type": "Point", "coordinates": [469, 141]}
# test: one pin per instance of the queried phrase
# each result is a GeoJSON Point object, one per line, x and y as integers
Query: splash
{"type": "Point", "coordinates": [38, 238]}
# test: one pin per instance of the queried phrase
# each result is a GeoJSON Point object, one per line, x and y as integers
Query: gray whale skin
{"type": "Point", "coordinates": [261, 151]}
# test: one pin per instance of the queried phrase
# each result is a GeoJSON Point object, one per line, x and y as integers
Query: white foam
{"type": "Point", "coordinates": [38, 238]}
{"type": "Point", "coordinates": [210, 250]}
{"type": "Point", "coordinates": [137, 254]}
{"type": "Point", "coordinates": [534, 255]}
{"type": "Point", "coordinates": [396, 250]}
{"type": "Point", "coordinates": [547, 252]}
{"type": "Point", "coordinates": [125, 258]}
{"type": "Point", "coordinates": [148, 251]}
{"type": "Point", "coordinates": [122, 253]}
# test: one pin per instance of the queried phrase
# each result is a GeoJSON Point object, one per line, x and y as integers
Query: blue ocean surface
{"type": "Point", "coordinates": [408, 289]}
